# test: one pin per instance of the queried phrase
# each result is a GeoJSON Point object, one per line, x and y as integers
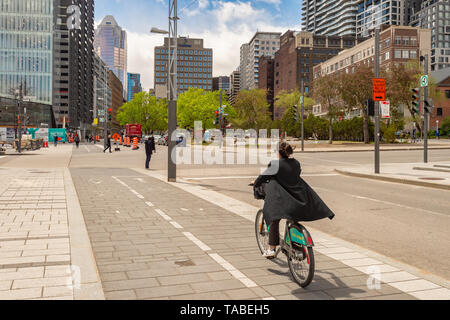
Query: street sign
{"type": "Point", "coordinates": [116, 136]}
{"type": "Point", "coordinates": [101, 112]}
{"type": "Point", "coordinates": [385, 109]}
{"type": "Point", "coordinates": [378, 89]}
{"type": "Point", "coordinates": [101, 119]}
{"type": "Point", "coordinates": [95, 121]}
{"type": "Point", "coordinates": [301, 99]}
{"type": "Point", "coordinates": [424, 81]}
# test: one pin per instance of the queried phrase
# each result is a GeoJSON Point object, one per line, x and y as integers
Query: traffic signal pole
{"type": "Point", "coordinates": [425, 113]}
{"type": "Point", "coordinates": [377, 103]}
{"type": "Point", "coordinates": [302, 113]}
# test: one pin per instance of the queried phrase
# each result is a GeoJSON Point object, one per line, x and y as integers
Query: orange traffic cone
{"type": "Point", "coordinates": [135, 143]}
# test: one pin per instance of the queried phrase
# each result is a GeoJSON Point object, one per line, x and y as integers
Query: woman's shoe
{"type": "Point", "coordinates": [269, 254]}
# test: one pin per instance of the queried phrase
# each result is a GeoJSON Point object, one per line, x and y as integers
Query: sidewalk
{"type": "Point", "coordinates": [159, 240]}
{"type": "Point", "coordinates": [434, 175]}
{"type": "Point", "coordinates": [45, 252]}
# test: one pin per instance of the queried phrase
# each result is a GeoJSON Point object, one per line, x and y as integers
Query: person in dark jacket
{"type": "Point", "coordinates": [149, 148]}
{"type": "Point", "coordinates": [108, 144]}
{"type": "Point", "coordinates": [287, 196]}
{"type": "Point", "coordinates": [77, 140]}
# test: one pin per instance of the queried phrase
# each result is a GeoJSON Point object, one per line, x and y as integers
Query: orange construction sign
{"type": "Point", "coordinates": [115, 136]}
{"type": "Point", "coordinates": [379, 89]}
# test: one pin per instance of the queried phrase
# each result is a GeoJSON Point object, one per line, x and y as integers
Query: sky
{"type": "Point", "coordinates": [224, 25]}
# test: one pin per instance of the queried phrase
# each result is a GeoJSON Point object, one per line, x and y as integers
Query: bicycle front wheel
{"type": "Point", "coordinates": [261, 232]}
{"type": "Point", "coordinates": [301, 264]}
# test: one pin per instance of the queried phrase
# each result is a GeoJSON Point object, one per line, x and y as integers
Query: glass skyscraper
{"type": "Point", "coordinates": [111, 45]}
{"type": "Point", "coordinates": [134, 85]}
{"type": "Point", "coordinates": [26, 48]}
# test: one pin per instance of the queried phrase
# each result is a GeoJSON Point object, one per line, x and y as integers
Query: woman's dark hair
{"type": "Point", "coordinates": [285, 149]}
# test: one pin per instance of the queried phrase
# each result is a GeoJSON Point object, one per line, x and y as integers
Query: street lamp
{"type": "Point", "coordinates": [172, 87]}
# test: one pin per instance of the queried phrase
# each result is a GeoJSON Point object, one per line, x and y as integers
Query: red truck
{"type": "Point", "coordinates": [133, 130]}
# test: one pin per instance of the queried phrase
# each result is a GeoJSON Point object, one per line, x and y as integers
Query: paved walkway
{"type": "Point", "coordinates": [158, 240]}
{"type": "Point", "coordinates": [435, 175]}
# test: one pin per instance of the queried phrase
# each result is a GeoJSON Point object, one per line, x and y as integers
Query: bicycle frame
{"type": "Point", "coordinates": [293, 235]}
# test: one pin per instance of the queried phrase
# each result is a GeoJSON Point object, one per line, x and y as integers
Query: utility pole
{"type": "Point", "coordinates": [377, 103]}
{"type": "Point", "coordinates": [172, 90]}
{"type": "Point", "coordinates": [105, 119]}
{"type": "Point", "coordinates": [302, 98]}
{"type": "Point", "coordinates": [425, 113]}
{"type": "Point", "coordinates": [19, 118]}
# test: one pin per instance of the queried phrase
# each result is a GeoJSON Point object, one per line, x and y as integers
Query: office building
{"type": "Point", "coordinates": [235, 83]}
{"type": "Point", "coordinates": [261, 44]}
{"type": "Point", "coordinates": [111, 45]}
{"type": "Point", "coordinates": [299, 53]}
{"type": "Point", "coordinates": [441, 108]}
{"type": "Point", "coordinates": [194, 66]}
{"type": "Point", "coordinates": [221, 83]}
{"type": "Point", "coordinates": [117, 100]}
{"type": "Point", "coordinates": [329, 17]}
{"type": "Point", "coordinates": [102, 91]}
{"type": "Point", "coordinates": [266, 80]}
{"type": "Point", "coordinates": [373, 13]}
{"type": "Point", "coordinates": [134, 85]}
{"type": "Point", "coordinates": [435, 15]}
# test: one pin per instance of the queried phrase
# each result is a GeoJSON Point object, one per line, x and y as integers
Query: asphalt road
{"type": "Point", "coordinates": [406, 223]}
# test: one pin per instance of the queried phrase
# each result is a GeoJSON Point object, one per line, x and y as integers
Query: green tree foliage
{"type": "Point", "coordinates": [286, 99]}
{"type": "Point", "coordinates": [445, 126]}
{"type": "Point", "coordinates": [200, 105]}
{"type": "Point", "coordinates": [252, 110]}
{"type": "Point", "coordinates": [146, 110]}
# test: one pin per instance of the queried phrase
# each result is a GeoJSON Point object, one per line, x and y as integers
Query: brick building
{"type": "Point", "coordinates": [266, 79]}
{"type": "Point", "coordinates": [441, 108]}
{"type": "Point", "coordinates": [116, 87]}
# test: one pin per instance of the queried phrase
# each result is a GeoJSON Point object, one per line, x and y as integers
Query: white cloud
{"type": "Point", "coordinates": [224, 26]}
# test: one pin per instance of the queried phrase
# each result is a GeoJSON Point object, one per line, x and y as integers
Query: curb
{"type": "Point", "coordinates": [80, 247]}
{"type": "Point", "coordinates": [397, 180]}
{"type": "Point", "coordinates": [371, 150]}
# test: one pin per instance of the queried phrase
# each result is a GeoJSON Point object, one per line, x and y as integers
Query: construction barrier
{"type": "Point", "coordinates": [120, 140]}
{"type": "Point", "coordinates": [135, 143]}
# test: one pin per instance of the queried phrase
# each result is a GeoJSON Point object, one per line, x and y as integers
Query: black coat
{"type": "Point", "coordinates": [149, 146]}
{"type": "Point", "coordinates": [287, 196]}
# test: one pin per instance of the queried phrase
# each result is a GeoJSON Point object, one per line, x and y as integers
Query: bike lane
{"type": "Point", "coordinates": [152, 239]}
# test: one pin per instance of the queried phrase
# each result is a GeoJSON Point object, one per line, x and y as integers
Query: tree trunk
{"type": "Point", "coordinates": [366, 128]}
{"type": "Point", "coordinates": [330, 130]}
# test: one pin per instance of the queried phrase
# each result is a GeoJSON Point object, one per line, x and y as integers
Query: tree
{"type": "Point", "coordinates": [200, 105]}
{"type": "Point", "coordinates": [445, 126]}
{"type": "Point", "coordinates": [326, 92]}
{"type": "Point", "coordinates": [252, 109]}
{"type": "Point", "coordinates": [146, 110]}
{"type": "Point", "coordinates": [355, 89]}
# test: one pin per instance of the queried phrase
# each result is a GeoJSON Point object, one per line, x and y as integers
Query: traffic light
{"type": "Point", "coordinates": [216, 119]}
{"type": "Point", "coordinates": [370, 107]}
{"type": "Point", "coordinates": [296, 112]}
{"type": "Point", "coordinates": [427, 107]}
{"type": "Point", "coordinates": [416, 100]}
{"type": "Point", "coordinates": [109, 114]}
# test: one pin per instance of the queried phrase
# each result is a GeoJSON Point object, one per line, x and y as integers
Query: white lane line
{"type": "Point", "coordinates": [385, 202]}
{"type": "Point", "coordinates": [233, 271]}
{"type": "Point", "coordinates": [184, 209]}
{"type": "Point", "coordinates": [87, 149]}
{"type": "Point", "coordinates": [162, 214]}
{"type": "Point", "coordinates": [149, 204]}
{"type": "Point", "coordinates": [2, 157]}
{"type": "Point", "coordinates": [140, 196]}
{"type": "Point", "coordinates": [200, 244]}
{"type": "Point", "coordinates": [176, 225]}
{"type": "Point", "coordinates": [140, 180]}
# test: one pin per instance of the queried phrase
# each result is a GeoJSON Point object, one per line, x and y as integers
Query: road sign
{"type": "Point", "coordinates": [101, 112]}
{"type": "Point", "coordinates": [378, 89]}
{"type": "Point", "coordinates": [385, 109]}
{"type": "Point", "coordinates": [102, 119]}
{"type": "Point", "coordinates": [116, 136]}
{"type": "Point", "coordinates": [424, 81]}
{"type": "Point", "coordinates": [301, 99]}
{"type": "Point", "coordinates": [95, 121]}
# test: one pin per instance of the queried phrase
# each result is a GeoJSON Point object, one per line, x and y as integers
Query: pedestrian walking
{"type": "Point", "coordinates": [55, 140]}
{"type": "Point", "coordinates": [149, 148]}
{"type": "Point", "coordinates": [108, 144]}
{"type": "Point", "coordinates": [77, 140]}
{"type": "Point", "coordinates": [414, 135]}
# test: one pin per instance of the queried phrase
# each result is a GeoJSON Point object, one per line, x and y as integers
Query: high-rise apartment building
{"type": "Point", "coordinates": [117, 99]}
{"type": "Point", "coordinates": [262, 44]}
{"type": "Point", "coordinates": [102, 92]}
{"type": "Point", "coordinates": [235, 84]}
{"type": "Point", "coordinates": [111, 45]}
{"type": "Point", "coordinates": [134, 85]}
{"type": "Point", "coordinates": [435, 15]}
{"type": "Point", "coordinates": [329, 17]}
{"type": "Point", "coordinates": [37, 48]}
{"type": "Point", "coordinates": [194, 66]}
{"type": "Point", "coordinates": [221, 83]}
{"type": "Point", "coordinates": [374, 13]}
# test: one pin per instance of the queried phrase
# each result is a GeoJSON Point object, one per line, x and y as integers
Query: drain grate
{"type": "Point", "coordinates": [431, 178]}
{"type": "Point", "coordinates": [185, 263]}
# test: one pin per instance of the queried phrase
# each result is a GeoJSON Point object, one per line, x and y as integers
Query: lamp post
{"type": "Point", "coordinates": [172, 87]}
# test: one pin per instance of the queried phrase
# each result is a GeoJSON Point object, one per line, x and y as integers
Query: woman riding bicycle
{"type": "Point", "coordinates": [287, 196]}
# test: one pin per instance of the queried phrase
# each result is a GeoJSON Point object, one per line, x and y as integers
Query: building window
{"type": "Point", "coordinates": [398, 54]}
{"type": "Point", "coordinates": [439, 112]}
{"type": "Point", "coordinates": [386, 56]}
{"type": "Point", "coordinates": [413, 54]}
{"type": "Point", "coordinates": [405, 54]}
{"type": "Point", "coordinates": [447, 94]}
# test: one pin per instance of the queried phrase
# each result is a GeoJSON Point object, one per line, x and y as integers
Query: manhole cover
{"type": "Point", "coordinates": [185, 263]}
{"type": "Point", "coordinates": [430, 178]}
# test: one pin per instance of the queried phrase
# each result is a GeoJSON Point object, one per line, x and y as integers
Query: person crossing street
{"type": "Point", "coordinates": [108, 144]}
{"type": "Point", "coordinates": [149, 148]}
{"type": "Point", "coordinates": [77, 140]}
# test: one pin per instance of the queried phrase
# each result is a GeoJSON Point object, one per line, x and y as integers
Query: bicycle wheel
{"type": "Point", "coordinates": [301, 263]}
{"type": "Point", "coordinates": [261, 232]}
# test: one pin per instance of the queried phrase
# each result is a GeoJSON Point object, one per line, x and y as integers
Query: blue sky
{"type": "Point", "coordinates": [224, 26]}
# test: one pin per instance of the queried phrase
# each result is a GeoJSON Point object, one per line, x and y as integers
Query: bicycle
{"type": "Point", "coordinates": [296, 244]}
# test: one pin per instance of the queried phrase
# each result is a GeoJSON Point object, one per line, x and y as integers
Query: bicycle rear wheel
{"type": "Point", "coordinates": [301, 263]}
{"type": "Point", "coordinates": [261, 232]}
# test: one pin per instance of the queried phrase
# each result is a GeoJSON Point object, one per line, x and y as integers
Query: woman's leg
{"type": "Point", "coordinates": [274, 234]}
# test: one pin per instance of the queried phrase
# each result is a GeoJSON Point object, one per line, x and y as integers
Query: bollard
{"type": "Point", "coordinates": [135, 143]}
